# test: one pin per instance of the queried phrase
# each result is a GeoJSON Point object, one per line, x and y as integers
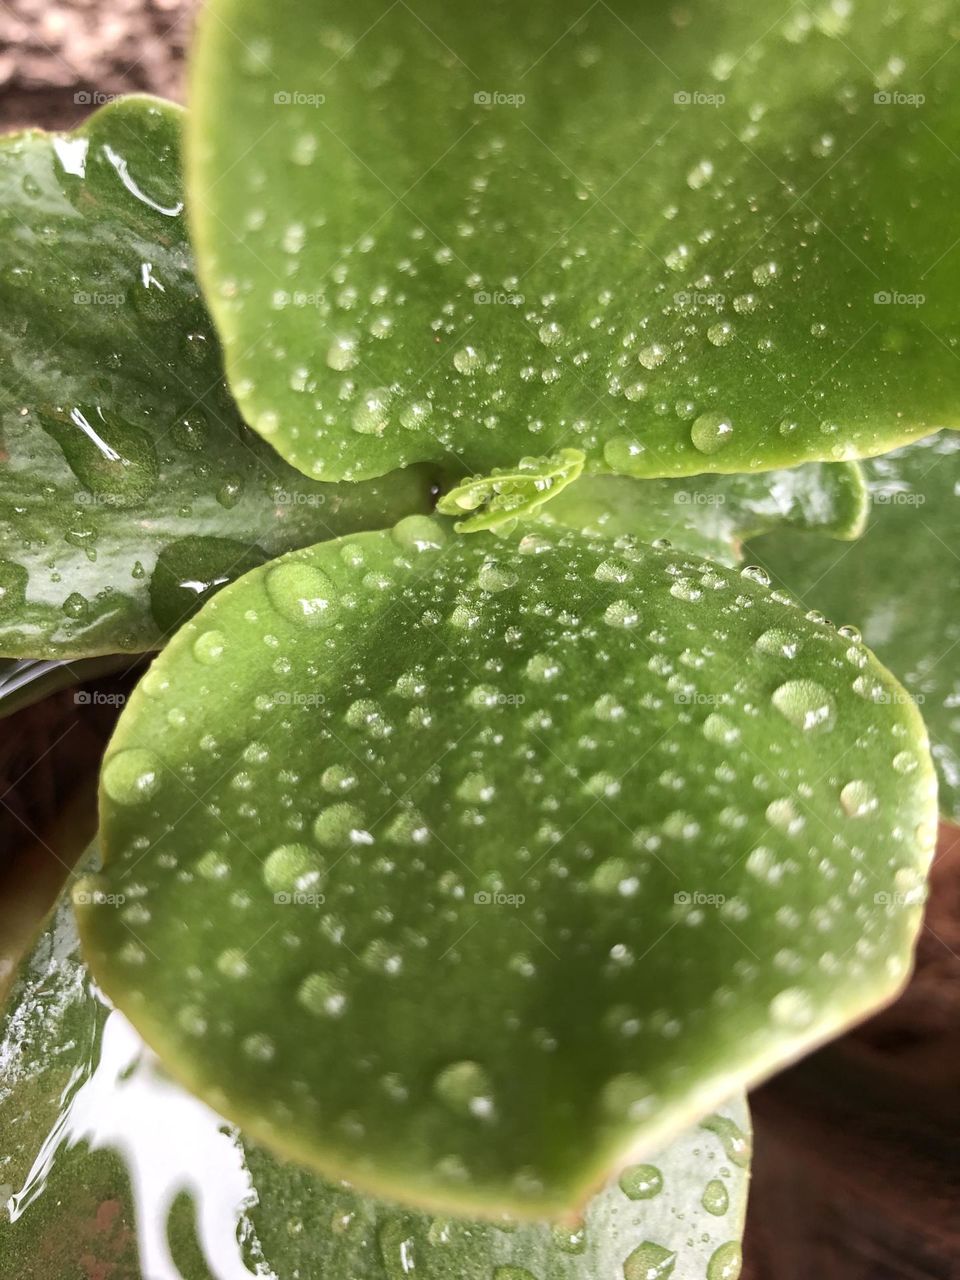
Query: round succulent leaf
{"type": "Point", "coordinates": [87, 1110]}
{"type": "Point", "coordinates": [900, 584]}
{"type": "Point", "coordinates": [472, 869]}
{"type": "Point", "coordinates": [715, 238]}
{"type": "Point", "coordinates": [130, 487]}
{"type": "Point", "coordinates": [710, 515]}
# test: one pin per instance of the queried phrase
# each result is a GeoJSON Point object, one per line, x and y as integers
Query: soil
{"type": "Point", "coordinates": [58, 60]}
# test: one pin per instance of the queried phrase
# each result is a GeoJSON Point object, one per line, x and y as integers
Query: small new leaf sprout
{"type": "Point", "coordinates": [498, 500]}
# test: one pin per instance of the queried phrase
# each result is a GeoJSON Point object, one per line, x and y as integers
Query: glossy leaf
{"type": "Point", "coordinates": [716, 237]}
{"type": "Point", "coordinates": [102, 1153]}
{"type": "Point", "coordinates": [711, 515]}
{"type": "Point", "coordinates": [900, 584]}
{"type": "Point", "coordinates": [499, 500]}
{"type": "Point", "coordinates": [474, 869]}
{"type": "Point", "coordinates": [130, 488]}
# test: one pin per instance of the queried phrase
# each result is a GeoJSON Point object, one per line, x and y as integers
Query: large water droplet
{"type": "Point", "coordinates": [131, 776]}
{"type": "Point", "coordinates": [711, 432]}
{"type": "Point", "coordinates": [805, 704]}
{"type": "Point", "coordinates": [649, 1262]}
{"type": "Point", "coordinates": [641, 1181]}
{"type": "Point", "coordinates": [465, 1087]}
{"type": "Point", "coordinates": [301, 593]}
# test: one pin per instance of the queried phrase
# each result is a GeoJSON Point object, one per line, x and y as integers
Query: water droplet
{"type": "Point", "coordinates": [570, 1241]}
{"type": "Point", "coordinates": [652, 356]}
{"type": "Point", "coordinates": [857, 799]}
{"type": "Point", "coordinates": [641, 1181]}
{"type": "Point", "coordinates": [700, 175]}
{"type": "Point", "coordinates": [371, 415]}
{"type": "Point", "coordinates": [465, 1087]}
{"type": "Point", "coordinates": [726, 1262]}
{"type": "Point", "coordinates": [792, 1009]}
{"type": "Point", "coordinates": [131, 776]}
{"type": "Point", "coordinates": [419, 534]}
{"type": "Point", "coordinates": [717, 728]}
{"type": "Point", "coordinates": [340, 824]}
{"type": "Point", "coordinates": [543, 668]}
{"type": "Point", "coordinates": [649, 1262]}
{"type": "Point", "coordinates": [715, 1198]}
{"type": "Point", "coordinates": [806, 704]}
{"type": "Point", "coordinates": [720, 334]}
{"type": "Point", "coordinates": [711, 432]}
{"type": "Point", "coordinates": [621, 614]}
{"type": "Point", "coordinates": [301, 593]}
{"type": "Point", "coordinates": [289, 867]}
{"type": "Point", "coordinates": [208, 648]}
{"type": "Point", "coordinates": [323, 995]}
{"type": "Point", "coordinates": [736, 1144]}
{"type": "Point", "coordinates": [628, 1097]}
{"type": "Point", "coordinates": [467, 361]}
{"type": "Point", "coordinates": [778, 642]}
{"type": "Point", "coordinates": [765, 273]}
{"type": "Point", "coordinates": [494, 578]}
{"type": "Point", "coordinates": [342, 353]}
{"type": "Point", "coordinates": [190, 570]}
{"type": "Point", "coordinates": [112, 458]}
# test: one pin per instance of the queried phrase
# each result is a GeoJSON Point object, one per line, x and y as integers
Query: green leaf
{"type": "Point", "coordinates": [500, 499]}
{"type": "Point", "coordinates": [130, 487]}
{"type": "Point", "coordinates": [711, 515]}
{"type": "Point", "coordinates": [900, 584]}
{"type": "Point", "coordinates": [712, 238]}
{"type": "Point", "coordinates": [95, 1120]}
{"type": "Point", "coordinates": [473, 869]}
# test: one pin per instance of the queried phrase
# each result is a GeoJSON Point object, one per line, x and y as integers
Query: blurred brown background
{"type": "Point", "coordinates": [857, 1167]}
